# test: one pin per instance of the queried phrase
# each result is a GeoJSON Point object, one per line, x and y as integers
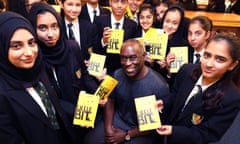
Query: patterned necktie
{"type": "Point", "coordinates": [70, 34]}
{"type": "Point", "coordinates": [117, 24]}
{"type": "Point", "coordinates": [198, 58]}
{"type": "Point", "coordinates": [198, 92]}
{"type": "Point", "coordinates": [42, 92]}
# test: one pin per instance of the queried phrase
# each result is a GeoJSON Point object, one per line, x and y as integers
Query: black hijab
{"type": "Point", "coordinates": [16, 77]}
{"type": "Point", "coordinates": [56, 55]}
{"type": "Point", "coordinates": [60, 57]}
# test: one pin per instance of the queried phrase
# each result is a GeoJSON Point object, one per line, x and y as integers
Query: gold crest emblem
{"type": "Point", "coordinates": [196, 119]}
{"type": "Point", "coordinates": [78, 73]}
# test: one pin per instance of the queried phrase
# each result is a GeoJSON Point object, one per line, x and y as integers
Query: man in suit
{"type": "Point", "coordinates": [92, 9]}
{"type": "Point", "coordinates": [105, 25]}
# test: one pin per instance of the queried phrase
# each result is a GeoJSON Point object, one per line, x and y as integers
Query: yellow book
{"type": "Point", "coordinates": [86, 110]}
{"type": "Point", "coordinates": [96, 64]}
{"type": "Point", "coordinates": [156, 40]}
{"type": "Point", "coordinates": [115, 41]}
{"type": "Point", "coordinates": [106, 87]}
{"type": "Point", "coordinates": [147, 113]}
{"type": "Point", "coordinates": [181, 58]}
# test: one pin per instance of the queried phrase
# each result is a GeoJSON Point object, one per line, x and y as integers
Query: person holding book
{"type": "Point", "coordinates": [106, 24]}
{"type": "Point", "coordinates": [29, 108]}
{"type": "Point", "coordinates": [62, 58]}
{"type": "Point", "coordinates": [204, 100]}
{"type": "Point", "coordinates": [80, 30]}
{"type": "Point", "coordinates": [175, 26]}
{"type": "Point", "coordinates": [145, 19]}
{"type": "Point", "coordinates": [135, 80]}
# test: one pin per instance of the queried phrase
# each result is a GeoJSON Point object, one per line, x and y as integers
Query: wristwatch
{"type": "Point", "coordinates": [127, 136]}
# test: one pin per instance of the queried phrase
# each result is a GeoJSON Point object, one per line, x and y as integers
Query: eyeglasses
{"type": "Point", "coordinates": [132, 58]}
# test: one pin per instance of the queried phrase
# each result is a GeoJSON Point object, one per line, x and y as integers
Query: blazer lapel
{"type": "Point", "coordinates": [181, 98]}
{"type": "Point", "coordinates": [29, 104]}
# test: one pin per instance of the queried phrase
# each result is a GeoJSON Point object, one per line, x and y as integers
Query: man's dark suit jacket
{"type": "Point", "coordinates": [214, 122]}
{"type": "Point", "coordinates": [130, 31]}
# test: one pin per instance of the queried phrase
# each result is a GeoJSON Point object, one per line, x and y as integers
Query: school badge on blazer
{"type": "Point", "coordinates": [196, 119]}
{"type": "Point", "coordinates": [78, 73]}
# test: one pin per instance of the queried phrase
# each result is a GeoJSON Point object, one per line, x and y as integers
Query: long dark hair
{"type": "Point", "coordinates": [212, 99]}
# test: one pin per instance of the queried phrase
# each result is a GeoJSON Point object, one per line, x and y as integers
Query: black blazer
{"type": "Point", "coordinates": [88, 36]}
{"type": "Point", "coordinates": [130, 31]}
{"type": "Point", "coordinates": [215, 121]}
{"type": "Point", "coordinates": [23, 122]}
{"type": "Point", "coordinates": [232, 134]}
{"type": "Point", "coordinates": [85, 15]}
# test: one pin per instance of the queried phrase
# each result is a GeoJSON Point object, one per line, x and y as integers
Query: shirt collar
{"type": "Point", "coordinates": [91, 9]}
{"type": "Point", "coordinates": [74, 22]}
{"type": "Point", "coordinates": [113, 21]}
{"type": "Point", "coordinates": [204, 87]}
{"type": "Point", "coordinates": [201, 52]}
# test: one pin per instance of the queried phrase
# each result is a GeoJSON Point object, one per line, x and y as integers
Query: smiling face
{"type": "Point", "coordinates": [48, 30]}
{"type": "Point", "coordinates": [197, 36]}
{"type": "Point", "coordinates": [72, 9]}
{"type": "Point", "coordinates": [134, 5]}
{"type": "Point", "coordinates": [132, 60]}
{"type": "Point", "coordinates": [171, 22]}
{"type": "Point", "coordinates": [146, 19]}
{"type": "Point", "coordinates": [23, 49]}
{"type": "Point", "coordinates": [216, 61]}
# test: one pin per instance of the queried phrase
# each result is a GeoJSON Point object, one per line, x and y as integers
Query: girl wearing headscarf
{"type": "Point", "coordinates": [30, 112]}
{"type": "Point", "coordinates": [63, 59]}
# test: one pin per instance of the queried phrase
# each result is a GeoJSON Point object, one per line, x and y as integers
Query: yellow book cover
{"type": "Point", "coordinates": [86, 110]}
{"type": "Point", "coordinates": [181, 58]}
{"type": "Point", "coordinates": [147, 113]}
{"type": "Point", "coordinates": [115, 41]}
{"type": "Point", "coordinates": [96, 64]}
{"type": "Point", "coordinates": [157, 41]}
{"type": "Point", "coordinates": [106, 87]}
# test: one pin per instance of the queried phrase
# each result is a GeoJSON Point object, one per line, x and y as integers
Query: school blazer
{"type": "Point", "coordinates": [212, 124]}
{"type": "Point", "coordinates": [88, 36]}
{"type": "Point", "coordinates": [85, 15]}
{"type": "Point", "coordinates": [130, 31]}
{"type": "Point", "coordinates": [23, 122]}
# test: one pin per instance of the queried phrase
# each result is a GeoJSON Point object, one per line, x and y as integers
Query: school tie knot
{"type": "Point", "coordinates": [198, 58]}
{"type": "Point", "coordinates": [117, 24]}
{"type": "Point", "coordinates": [70, 34]}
